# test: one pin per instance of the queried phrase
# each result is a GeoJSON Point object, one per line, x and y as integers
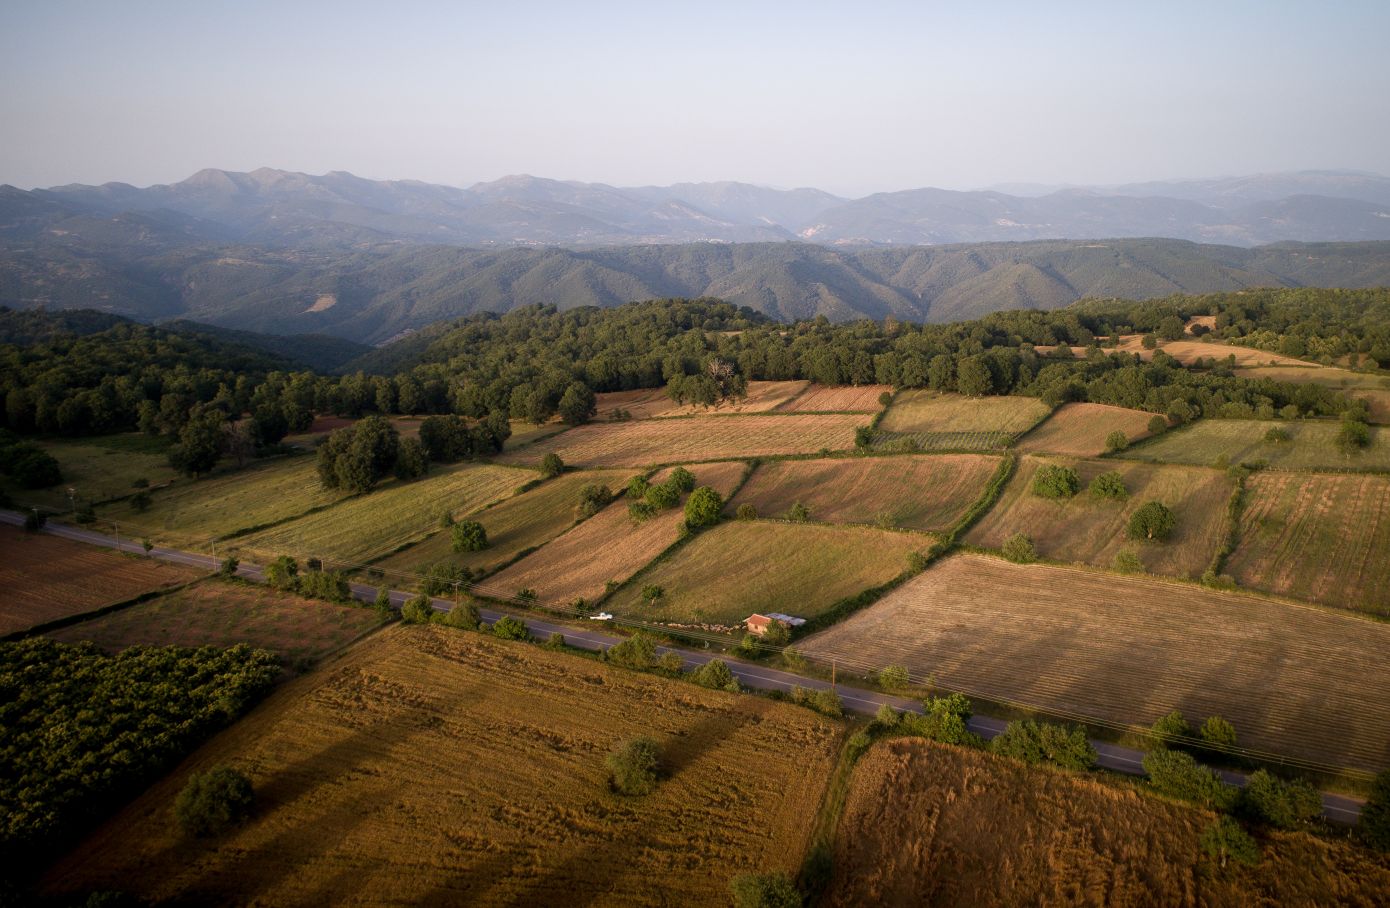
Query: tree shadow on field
{"type": "Point", "coordinates": [261, 870]}
{"type": "Point", "coordinates": [574, 880]}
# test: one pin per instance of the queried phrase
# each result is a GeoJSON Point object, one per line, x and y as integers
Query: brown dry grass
{"type": "Point", "coordinates": [1318, 375]}
{"type": "Point", "coordinates": [649, 403]}
{"type": "Point", "coordinates": [1080, 429]}
{"type": "Point", "coordinates": [925, 411]}
{"type": "Point", "coordinates": [837, 399]}
{"type": "Point", "coordinates": [435, 767]}
{"type": "Point", "coordinates": [1188, 352]}
{"type": "Point", "coordinates": [1084, 530]}
{"type": "Point", "coordinates": [1301, 681]}
{"type": "Point", "coordinates": [642, 442]}
{"type": "Point", "coordinates": [927, 824]}
{"type": "Point", "coordinates": [218, 613]}
{"type": "Point", "coordinates": [46, 578]}
{"type": "Point", "coordinates": [928, 492]}
{"type": "Point", "coordinates": [1317, 537]}
{"type": "Point", "coordinates": [607, 546]}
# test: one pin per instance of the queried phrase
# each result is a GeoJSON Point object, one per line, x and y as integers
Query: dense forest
{"type": "Point", "coordinates": [71, 376]}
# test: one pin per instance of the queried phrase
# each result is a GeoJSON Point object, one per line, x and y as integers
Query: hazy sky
{"type": "Point", "coordinates": [850, 97]}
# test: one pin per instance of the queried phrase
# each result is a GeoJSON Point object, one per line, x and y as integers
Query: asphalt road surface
{"type": "Point", "coordinates": [1336, 808]}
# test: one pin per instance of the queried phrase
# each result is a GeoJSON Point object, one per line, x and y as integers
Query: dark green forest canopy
{"type": "Point", "coordinates": [522, 363]}
{"type": "Point", "coordinates": [81, 730]}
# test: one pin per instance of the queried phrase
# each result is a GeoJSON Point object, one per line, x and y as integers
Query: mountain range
{"type": "Point", "coordinates": [286, 209]}
{"type": "Point", "coordinates": [365, 261]}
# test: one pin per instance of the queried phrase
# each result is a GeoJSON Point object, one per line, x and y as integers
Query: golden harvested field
{"type": "Point", "coordinates": [837, 399]}
{"type": "Point", "coordinates": [192, 511]}
{"type": "Point", "coordinates": [521, 522]}
{"type": "Point", "coordinates": [429, 766]}
{"type": "Point", "coordinates": [1080, 429]}
{"type": "Point", "coordinates": [1188, 352]}
{"type": "Point", "coordinates": [1344, 379]}
{"type": "Point", "coordinates": [1088, 531]}
{"type": "Point", "coordinates": [927, 492]}
{"type": "Point", "coordinates": [523, 433]}
{"type": "Point", "coordinates": [741, 567]}
{"type": "Point", "coordinates": [218, 613]}
{"type": "Point", "coordinates": [100, 468]}
{"type": "Point", "coordinates": [1324, 538]}
{"type": "Point", "coordinates": [1300, 681]}
{"type": "Point", "coordinates": [921, 411]}
{"type": "Point", "coordinates": [607, 546]}
{"type": "Point", "coordinates": [644, 442]}
{"type": "Point", "coordinates": [46, 578]}
{"type": "Point", "coordinates": [649, 403]}
{"type": "Point", "coordinates": [928, 824]}
{"type": "Point", "coordinates": [359, 529]}
{"type": "Point", "coordinates": [1312, 445]}
{"type": "Point", "coordinates": [642, 403]}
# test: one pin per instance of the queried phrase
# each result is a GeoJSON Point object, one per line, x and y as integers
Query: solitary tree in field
{"type": "Point", "coordinates": [1056, 481]}
{"type": "Point", "coordinates": [1152, 521]}
{"type": "Point", "coordinates": [702, 507]}
{"type": "Point", "coordinates": [764, 890]}
{"type": "Point", "coordinates": [633, 765]}
{"type": "Point", "coordinates": [1019, 549]}
{"type": "Point", "coordinates": [469, 536]}
{"type": "Point", "coordinates": [213, 801]}
{"type": "Point", "coordinates": [1116, 441]}
{"type": "Point", "coordinates": [652, 592]}
{"type": "Point", "coordinates": [746, 511]}
{"type": "Point", "coordinates": [799, 513]}
{"type": "Point", "coordinates": [1158, 425]}
{"type": "Point", "coordinates": [552, 465]}
{"type": "Point", "coordinates": [1110, 486]}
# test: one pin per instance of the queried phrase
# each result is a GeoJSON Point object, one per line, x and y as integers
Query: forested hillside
{"type": "Point", "coordinates": [376, 293]}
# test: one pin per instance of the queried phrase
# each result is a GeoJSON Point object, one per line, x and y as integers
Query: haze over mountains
{"type": "Point", "coordinates": [285, 252]}
{"type": "Point", "coordinates": [281, 208]}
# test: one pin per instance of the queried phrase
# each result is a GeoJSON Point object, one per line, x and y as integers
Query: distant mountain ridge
{"type": "Point", "coordinates": [294, 210]}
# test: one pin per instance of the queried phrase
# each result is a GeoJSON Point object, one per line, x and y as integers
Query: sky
{"type": "Point", "coordinates": [852, 98]}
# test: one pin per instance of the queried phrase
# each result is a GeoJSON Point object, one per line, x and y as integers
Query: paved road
{"type": "Point", "coordinates": [1337, 808]}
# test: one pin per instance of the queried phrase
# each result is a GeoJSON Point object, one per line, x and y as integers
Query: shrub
{"type": "Point", "coordinates": [1216, 730]}
{"type": "Point", "coordinates": [917, 562]}
{"type": "Point", "coordinates": [799, 512]}
{"type": "Point", "coordinates": [1153, 520]}
{"type": "Point", "coordinates": [637, 652]}
{"type": "Point", "coordinates": [715, 674]}
{"type": "Point", "coordinates": [509, 628]}
{"type": "Point", "coordinates": [555, 641]}
{"type": "Point", "coordinates": [892, 677]}
{"type": "Point", "coordinates": [681, 479]}
{"type": "Point", "coordinates": [552, 465]}
{"type": "Point", "coordinates": [887, 716]}
{"type": "Point", "coordinates": [214, 801]}
{"type": "Point", "coordinates": [670, 663]}
{"type": "Point", "coordinates": [141, 502]}
{"type": "Point", "coordinates": [640, 511]}
{"type": "Point", "coordinates": [702, 507]}
{"type": "Point", "coordinates": [1057, 482]}
{"type": "Point", "coordinates": [637, 488]}
{"type": "Point", "coordinates": [826, 701]}
{"type": "Point", "coordinates": [1272, 800]}
{"type": "Point", "coordinates": [633, 766]}
{"type": "Point", "coordinates": [1277, 435]}
{"type": "Point", "coordinates": [1127, 561]}
{"type": "Point", "coordinates": [464, 615]}
{"type": "Point", "coordinates": [663, 496]}
{"type": "Point", "coordinates": [469, 536]}
{"type": "Point", "coordinates": [526, 594]}
{"type": "Point", "coordinates": [1116, 441]}
{"type": "Point", "coordinates": [885, 398]}
{"type": "Point", "coordinates": [382, 602]}
{"type": "Point", "coordinates": [1109, 486]}
{"type": "Point", "coordinates": [1178, 775]}
{"type": "Point", "coordinates": [1352, 436]}
{"type": "Point", "coordinates": [1019, 549]}
{"type": "Point", "coordinates": [652, 592]}
{"type": "Point", "coordinates": [144, 543]}
{"type": "Point", "coordinates": [1171, 726]}
{"type": "Point", "coordinates": [1225, 841]}
{"type": "Point", "coordinates": [944, 719]}
{"type": "Point", "coordinates": [283, 573]}
{"type": "Point", "coordinates": [34, 521]}
{"type": "Point", "coordinates": [418, 610]}
{"type": "Point", "coordinates": [1158, 425]}
{"type": "Point", "coordinates": [229, 566]}
{"type": "Point", "coordinates": [764, 890]}
{"type": "Point", "coordinates": [328, 585]}
{"type": "Point", "coordinates": [746, 512]}
{"type": "Point", "coordinates": [863, 437]}
{"type": "Point", "coordinates": [593, 498]}
{"type": "Point", "coordinates": [1149, 341]}
{"type": "Point", "coordinates": [1374, 828]}
{"type": "Point", "coordinates": [1045, 742]}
